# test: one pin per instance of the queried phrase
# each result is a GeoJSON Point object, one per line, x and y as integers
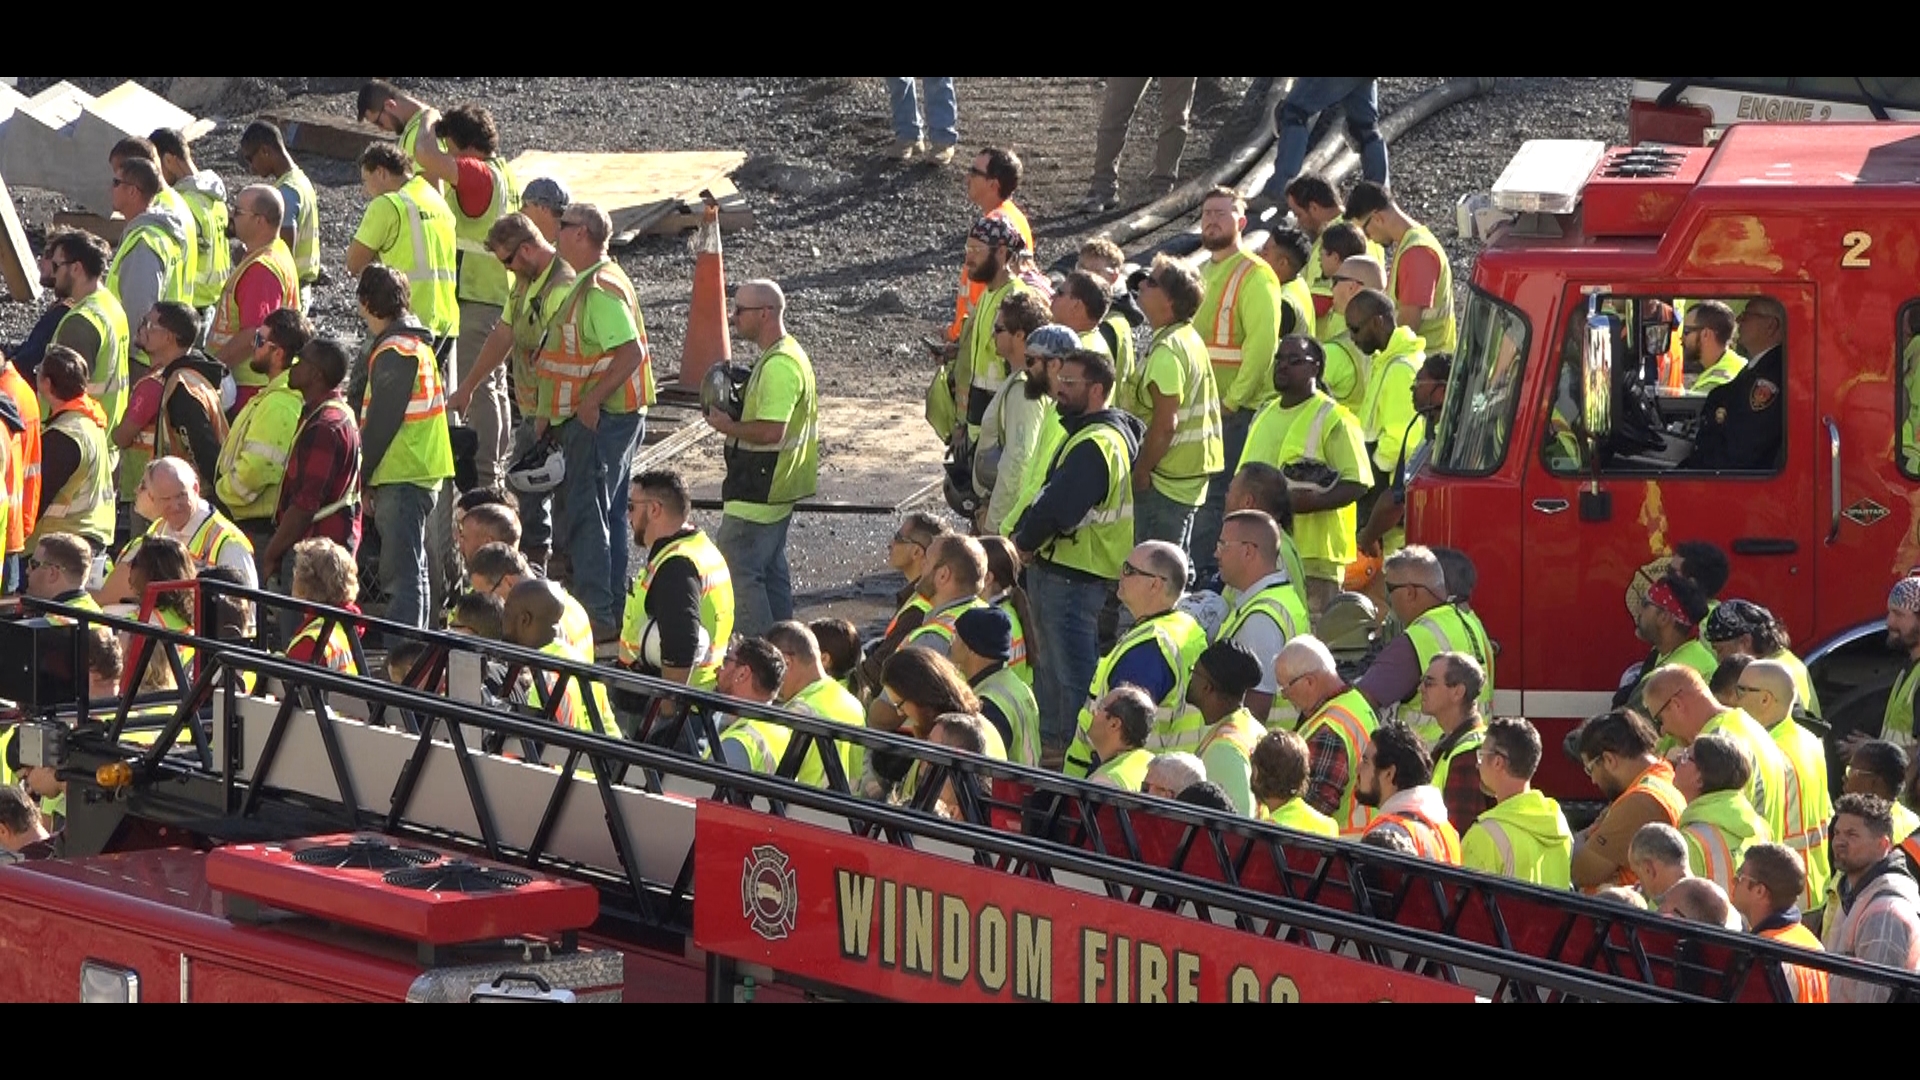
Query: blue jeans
{"type": "Point", "coordinates": [596, 488]}
{"type": "Point", "coordinates": [1206, 521]}
{"type": "Point", "coordinates": [756, 556]}
{"type": "Point", "coordinates": [1156, 517]}
{"type": "Point", "coordinates": [1312, 96]}
{"type": "Point", "coordinates": [943, 113]}
{"type": "Point", "coordinates": [1066, 611]}
{"type": "Point", "coordinates": [400, 512]}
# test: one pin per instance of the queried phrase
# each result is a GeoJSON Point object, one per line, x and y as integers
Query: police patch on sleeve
{"type": "Point", "coordinates": [1763, 395]}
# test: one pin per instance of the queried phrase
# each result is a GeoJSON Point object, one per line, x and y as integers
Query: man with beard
{"type": "Point", "coordinates": [1705, 332]}
{"type": "Point", "coordinates": [1176, 396]}
{"type": "Point", "coordinates": [1046, 347]}
{"type": "Point", "coordinates": [1877, 920]}
{"type": "Point", "coordinates": [1383, 527]}
{"type": "Point", "coordinates": [253, 459]}
{"type": "Point", "coordinates": [1616, 750]}
{"type": "Point", "coordinates": [956, 568]}
{"type": "Point", "coordinates": [1239, 320]}
{"type": "Point", "coordinates": [95, 324]}
{"type": "Point", "coordinates": [679, 613]}
{"type": "Point", "coordinates": [1303, 426]}
{"type": "Point", "coordinates": [979, 369]}
{"type": "Point", "coordinates": [1011, 424]}
{"type": "Point", "coordinates": [1075, 537]}
{"type": "Point", "coordinates": [25, 354]}
{"type": "Point", "coordinates": [1393, 778]}
{"type": "Point", "coordinates": [264, 281]}
{"type": "Point", "coordinates": [1903, 637]}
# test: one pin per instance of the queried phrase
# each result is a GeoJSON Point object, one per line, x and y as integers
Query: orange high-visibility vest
{"type": "Point", "coordinates": [1434, 840]}
{"type": "Point", "coordinates": [1809, 985]}
{"type": "Point", "coordinates": [24, 492]}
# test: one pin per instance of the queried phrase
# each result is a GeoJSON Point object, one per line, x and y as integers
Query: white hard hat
{"type": "Point", "coordinates": [541, 469]}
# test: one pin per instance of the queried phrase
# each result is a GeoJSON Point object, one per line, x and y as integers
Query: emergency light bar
{"type": "Point", "coordinates": [1546, 176]}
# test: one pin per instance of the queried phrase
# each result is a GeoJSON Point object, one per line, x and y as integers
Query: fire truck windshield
{"type": "Point", "coordinates": [1476, 422]}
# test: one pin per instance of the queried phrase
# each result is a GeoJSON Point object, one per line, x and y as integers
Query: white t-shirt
{"type": "Point", "coordinates": [1262, 636]}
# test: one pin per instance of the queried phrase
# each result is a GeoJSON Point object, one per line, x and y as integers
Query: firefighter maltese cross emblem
{"type": "Point", "coordinates": [769, 893]}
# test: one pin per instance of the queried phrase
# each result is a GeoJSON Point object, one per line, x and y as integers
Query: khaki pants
{"type": "Point", "coordinates": [1116, 113]}
{"type": "Point", "coordinates": [491, 414]}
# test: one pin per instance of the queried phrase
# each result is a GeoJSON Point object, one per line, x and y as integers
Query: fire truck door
{"type": "Point", "coordinates": [1600, 516]}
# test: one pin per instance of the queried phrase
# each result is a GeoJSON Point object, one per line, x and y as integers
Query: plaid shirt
{"type": "Point", "coordinates": [1328, 772]}
{"type": "Point", "coordinates": [1464, 797]}
{"type": "Point", "coordinates": [322, 468]}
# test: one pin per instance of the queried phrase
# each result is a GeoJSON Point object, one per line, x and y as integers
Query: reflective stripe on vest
{"type": "Point", "coordinates": [1502, 843]}
{"type": "Point", "coordinates": [526, 315]}
{"type": "Point", "coordinates": [1434, 840]}
{"type": "Point", "coordinates": [829, 700]}
{"type": "Point", "coordinates": [268, 416]}
{"type": "Point", "coordinates": [1197, 448]}
{"type": "Point", "coordinates": [1127, 771]}
{"type": "Point", "coordinates": [1015, 701]}
{"type": "Point", "coordinates": [421, 449]}
{"type": "Point", "coordinates": [1436, 322]}
{"type": "Point", "coordinates": [482, 278]}
{"type": "Point", "coordinates": [166, 247]}
{"type": "Point", "coordinates": [84, 505]}
{"type": "Point", "coordinates": [1099, 543]}
{"type": "Point", "coordinates": [1469, 743]}
{"type": "Point", "coordinates": [759, 739]}
{"type": "Point", "coordinates": [940, 623]}
{"type": "Point", "coordinates": [227, 318]}
{"type": "Point", "coordinates": [1445, 629]}
{"type": "Point", "coordinates": [1238, 729]}
{"type": "Point", "coordinates": [916, 602]}
{"type": "Point", "coordinates": [776, 474]}
{"type": "Point", "coordinates": [209, 539]}
{"type": "Point", "coordinates": [1017, 659]}
{"type": "Point", "coordinates": [1809, 985]}
{"type": "Point", "coordinates": [1353, 733]}
{"type": "Point", "coordinates": [1221, 348]}
{"type": "Point", "coordinates": [1180, 639]}
{"type": "Point", "coordinates": [572, 709]}
{"type": "Point", "coordinates": [211, 257]}
{"type": "Point", "coordinates": [306, 231]}
{"type": "Point", "coordinates": [107, 371]}
{"type": "Point", "coordinates": [426, 255]}
{"type": "Point", "coordinates": [164, 439]}
{"type": "Point", "coordinates": [337, 655]}
{"type": "Point", "coordinates": [1281, 603]}
{"type": "Point", "coordinates": [564, 362]}
{"type": "Point", "coordinates": [716, 604]}
{"type": "Point", "coordinates": [25, 493]}
{"type": "Point", "coordinates": [1715, 856]}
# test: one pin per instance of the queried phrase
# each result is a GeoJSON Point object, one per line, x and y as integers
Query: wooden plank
{"type": "Point", "coordinates": [16, 257]}
{"type": "Point", "coordinates": [328, 136]}
{"type": "Point", "coordinates": [733, 218]}
{"type": "Point", "coordinates": [110, 229]}
{"type": "Point", "coordinates": [624, 182]}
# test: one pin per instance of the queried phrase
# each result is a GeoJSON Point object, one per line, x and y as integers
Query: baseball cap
{"type": "Point", "coordinates": [1364, 269]}
{"type": "Point", "coordinates": [1052, 340]}
{"type": "Point", "coordinates": [547, 192]}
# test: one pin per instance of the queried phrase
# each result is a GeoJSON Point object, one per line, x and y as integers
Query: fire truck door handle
{"type": "Point", "coordinates": [1833, 460]}
{"type": "Point", "coordinates": [1764, 545]}
{"type": "Point", "coordinates": [1550, 506]}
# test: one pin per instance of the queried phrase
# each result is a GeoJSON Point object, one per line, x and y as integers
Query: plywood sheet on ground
{"type": "Point", "coordinates": [16, 258]}
{"type": "Point", "coordinates": [629, 187]}
{"type": "Point", "coordinates": [874, 451]}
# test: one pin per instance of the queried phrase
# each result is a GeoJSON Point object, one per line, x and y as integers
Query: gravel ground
{"type": "Point", "coordinates": [868, 250]}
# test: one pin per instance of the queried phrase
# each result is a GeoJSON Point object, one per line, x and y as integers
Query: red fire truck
{"type": "Point", "coordinates": [1694, 112]}
{"type": "Point", "coordinates": [280, 831]}
{"type": "Point", "coordinates": [1561, 467]}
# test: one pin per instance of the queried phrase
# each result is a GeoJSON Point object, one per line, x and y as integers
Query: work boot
{"type": "Point", "coordinates": [942, 155]}
{"type": "Point", "coordinates": [1099, 201]}
{"type": "Point", "coordinates": [903, 149]}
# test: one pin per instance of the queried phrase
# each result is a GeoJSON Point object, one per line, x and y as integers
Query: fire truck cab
{"type": "Point", "coordinates": [1562, 461]}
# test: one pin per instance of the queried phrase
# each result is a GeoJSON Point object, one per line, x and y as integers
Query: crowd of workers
{"type": "Point", "coordinates": [1181, 485]}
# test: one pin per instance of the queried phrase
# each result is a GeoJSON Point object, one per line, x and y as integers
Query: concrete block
{"type": "Point", "coordinates": [59, 138]}
{"type": "Point", "coordinates": [198, 93]}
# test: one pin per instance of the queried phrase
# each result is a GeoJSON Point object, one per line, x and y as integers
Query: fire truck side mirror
{"type": "Point", "coordinates": [1597, 400]}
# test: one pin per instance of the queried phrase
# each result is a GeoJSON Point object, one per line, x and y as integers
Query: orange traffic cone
{"type": "Point", "coordinates": [707, 341]}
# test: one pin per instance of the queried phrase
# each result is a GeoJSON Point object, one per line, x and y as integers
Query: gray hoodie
{"type": "Point", "coordinates": [141, 273]}
{"type": "Point", "coordinates": [1879, 922]}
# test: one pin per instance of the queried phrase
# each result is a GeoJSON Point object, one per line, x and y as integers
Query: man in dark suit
{"type": "Point", "coordinates": [1743, 425]}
